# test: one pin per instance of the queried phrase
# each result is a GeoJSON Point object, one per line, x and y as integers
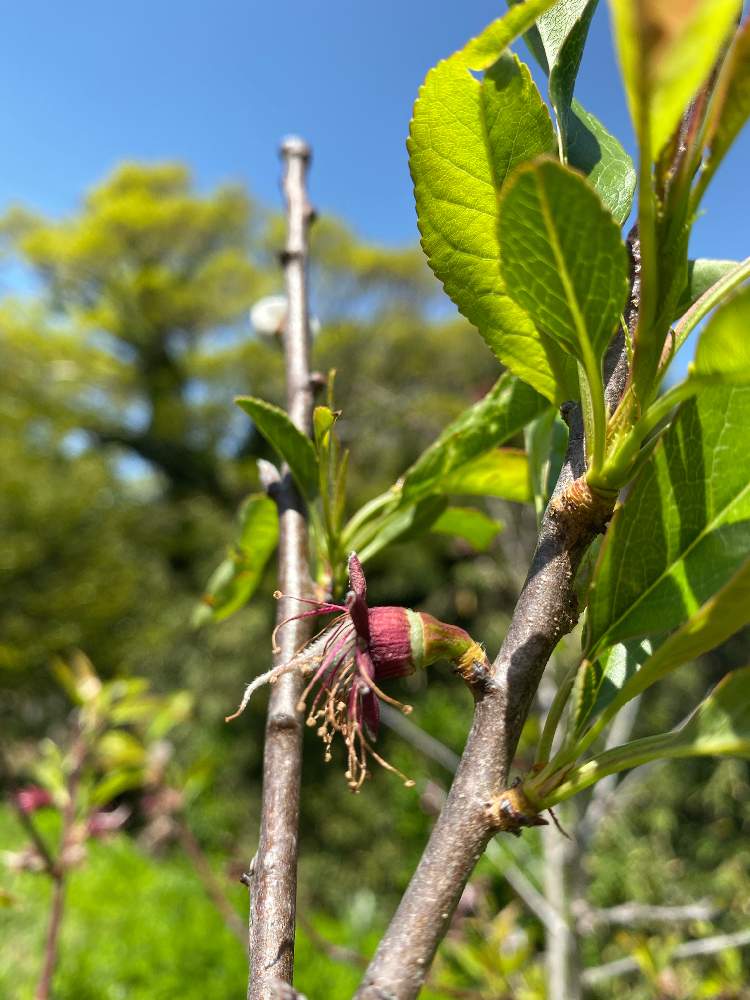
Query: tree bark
{"type": "Point", "coordinates": [274, 871]}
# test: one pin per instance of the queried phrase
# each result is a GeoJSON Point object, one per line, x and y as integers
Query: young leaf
{"type": "Point", "coordinates": [236, 579]}
{"type": "Point", "coordinates": [599, 682]}
{"type": "Point", "coordinates": [501, 472]}
{"type": "Point", "coordinates": [731, 105]}
{"type": "Point", "coordinates": [487, 47]}
{"type": "Point", "coordinates": [503, 412]}
{"type": "Point", "coordinates": [562, 258]}
{"type": "Point", "coordinates": [465, 138]}
{"type": "Point", "coordinates": [723, 352]}
{"type": "Point", "coordinates": [470, 524]}
{"type": "Point", "coordinates": [294, 447]}
{"type": "Point", "coordinates": [719, 726]}
{"type": "Point", "coordinates": [683, 530]}
{"type": "Point", "coordinates": [564, 262]}
{"type": "Point", "coordinates": [719, 618]}
{"type": "Point", "coordinates": [667, 49]}
{"type": "Point", "coordinates": [564, 30]}
{"type": "Point", "coordinates": [702, 275]}
{"type": "Point", "coordinates": [596, 153]}
{"type": "Point", "coordinates": [401, 525]}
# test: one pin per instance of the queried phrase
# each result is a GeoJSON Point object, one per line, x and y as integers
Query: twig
{"type": "Point", "coordinates": [58, 873]}
{"type": "Point", "coordinates": [546, 610]}
{"type": "Point", "coordinates": [691, 949]}
{"type": "Point", "coordinates": [588, 918]}
{"type": "Point", "coordinates": [505, 866]}
{"type": "Point", "coordinates": [274, 886]}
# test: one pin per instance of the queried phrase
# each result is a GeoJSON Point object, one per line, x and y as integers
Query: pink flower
{"type": "Point", "coordinates": [361, 648]}
{"type": "Point", "coordinates": [31, 798]}
{"type": "Point", "coordinates": [103, 822]}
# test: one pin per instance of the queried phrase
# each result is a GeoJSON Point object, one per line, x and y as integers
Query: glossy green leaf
{"type": "Point", "coordinates": [502, 472]}
{"type": "Point", "coordinates": [401, 525]}
{"type": "Point", "coordinates": [482, 51]}
{"type": "Point", "coordinates": [466, 137]}
{"type": "Point", "coordinates": [562, 257]}
{"type": "Point", "coordinates": [731, 107]}
{"type": "Point", "coordinates": [721, 616]}
{"type": "Point", "coordinates": [595, 151]}
{"type": "Point", "coordinates": [667, 49]}
{"type": "Point", "coordinates": [538, 437]}
{"type": "Point", "coordinates": [323, 420]}
{"type": "Point", "coordinates": [473, 525]}
{"type": "Point", "coordinates": [236, 579]}
{"type": "Point", "coordinates": [723, 351]}
{"type": "Point", "coordinates": [719, 726]}
{"type": "Point", "coordinates": [683, 530]}
{"type": "Point", "coordinates": [702, 275]}
{"type": "Point", "coordinates": [598, 682]}
{"type": "Point", "coordinates": [294, 447]}
{"type": "Point", "coordinates": [503, 412]}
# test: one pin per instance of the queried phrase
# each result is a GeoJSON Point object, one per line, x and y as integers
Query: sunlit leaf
{"type": "Point", "coordinates": [466, 137]}
{"type": "Point", "coordinates": [667, 49]}
{"type": "Point", "coordinates": [562, 257]}
{"type": "Point", "coordinates": [598, 154]}
{"type": "Point", "coordinates": [702, 274]}
{"type": "Point", "coordinates": [473, 525]}
{"type": "Point", "coordinates": [731, 105]}
{"type": "Point", "coordinates": [723, 351]}
{"type": "Point", "coordinates": [683, 530]}
{"type": "Point", "coordinates": [503, 412]}
{"type": "Point", "coordinates": [502, 472]}
{"type": "Point", "coordinates": [294, 447]}
{"type": "Point", "coordinates": [599, 681]}
{"type": "Point", "coordinates": [236, 578]}
{"type": "Point", "coordinates": [402, 525]}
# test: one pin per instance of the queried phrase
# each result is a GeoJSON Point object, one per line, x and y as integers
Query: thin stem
{"type": "Point", "coordinates": [274, 882]}
{"type": "Point", "coordinates": [51, 945]}
{"type": "Point", "coordinates": [209, 881]}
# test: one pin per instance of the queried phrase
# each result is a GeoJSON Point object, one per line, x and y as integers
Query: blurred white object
{"type": "Point", "coordinates": [268, 316]}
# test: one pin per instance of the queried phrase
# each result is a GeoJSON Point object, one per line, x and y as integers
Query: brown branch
{"type": "Point", "coordinates": [546, 610]}
{"type": "Point", "coordinates": [274, 881]}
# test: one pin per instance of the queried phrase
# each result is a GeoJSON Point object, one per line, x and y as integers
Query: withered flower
{"type": "Point", "coordinates": [354, 654]}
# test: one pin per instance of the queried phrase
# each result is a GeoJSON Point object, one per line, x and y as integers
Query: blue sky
{"type": "Point", "coordinates": [217, 84]}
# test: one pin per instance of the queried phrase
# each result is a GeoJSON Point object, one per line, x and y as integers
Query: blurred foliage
{"type": "Point", "coordinates": [124, 464]}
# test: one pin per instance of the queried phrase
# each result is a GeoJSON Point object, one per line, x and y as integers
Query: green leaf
{"type": "Point", "coordinates": [702, 275]}
{"type": "Point", "coordinates": [562, 257]}
{"type": "Point", "coordinates": [731, 105]}
{"type": "Point", "coordinates": [502, 472]}
{"type": "Point", "coordinates": [721, 723]}
{"type": "Point", "coordinates": [236, 579]}
{"type": "Point", "coordinates": [719, 726]}
{"type": "Point", "coordinates": [466, 137]}
{"type": "Point", "coordinates": [487, 47]}
{"type": "Point", "coordinates": [714, 622]}
{"type": "Point", "coordinates": [538, 437]}
{"type": "Point", "coordinates": [470, 524]}
{"type": "Point", "coordinates": [683, 530]}
{"type": "Point", "coordinates": [595, 151]}
{"type": "Point", "coordinates": [599, 682]}
{"type": "Point", "coordinates": [723, 352]}
{"type": "Point", "coordinates": [117, 748]}
{"type": "Point", "coordinates": [667, 49]}
{"type": "Point", "coordinates": [503, 412]}
{"type": "Point", "coordinates": [401, 525]}
{"type": "Point", "coordinates": [115, 783]}
{"type": "Point", "coordinates": [323, 420]}
{"type": "Point", "coordinates": [294, 447]}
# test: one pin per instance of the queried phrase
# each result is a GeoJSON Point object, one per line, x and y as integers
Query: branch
{"type": "Point", "coordinates": [588, 918]}
{"type": "Point", "coordinates": [691, 949]}
{"type": "Point", "coordinates": [546, 610]}
{"type": "Point", "coordinates": [274, 882]}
